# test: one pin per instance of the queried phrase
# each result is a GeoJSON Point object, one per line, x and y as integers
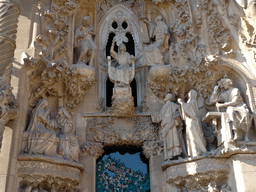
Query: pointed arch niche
{"type": "Point", "coordinates": [119, 20]}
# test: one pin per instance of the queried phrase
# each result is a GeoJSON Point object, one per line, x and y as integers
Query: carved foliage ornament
{"type": "Point", "coordinates": [100, 133]}
{"type": "Point", "coordinates": [46, 183]}
{"type": "Point", "coordinates": [58, 80]}
{"type": "Point", "coordinates": [209, 181]}
{"type": "Point", "coordinates": [52, 43]}
{"type": "Point", "coordinates": [8, 108]}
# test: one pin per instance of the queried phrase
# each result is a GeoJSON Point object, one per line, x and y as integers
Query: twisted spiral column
{"type": "Point", "coordinates": [9, 13]}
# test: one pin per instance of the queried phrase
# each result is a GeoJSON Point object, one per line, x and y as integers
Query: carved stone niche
{"type": "Point", "coordinates": [41, 173]}
{"type": "Point", "coordinates": [204, 175]}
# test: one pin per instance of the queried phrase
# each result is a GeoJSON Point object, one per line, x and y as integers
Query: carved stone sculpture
{"type": "Point", "coordinates": [68, 146]}
{"type": "Point", "coordinates": [238, 113]}
{"type": "Point", "coordinates": [171, 128]}
{"type": "Point", "coordinates": [8, 110]}
{"type": "Point", "coordinates": [85, 47]}
{"type": "Point", "coordinates": [123, 74]}
{"type": "Point", "coordinates": [154, 53]}
{"type": "Point", "coordinates": [42, 138]}
{"type": "Point", "coordinates": [196, 143]}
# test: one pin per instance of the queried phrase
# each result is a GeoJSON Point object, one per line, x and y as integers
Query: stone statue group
{"type": "Point", "coordinates": [52, 136]}
{"type": "Point", "coordinates": [223, 96]}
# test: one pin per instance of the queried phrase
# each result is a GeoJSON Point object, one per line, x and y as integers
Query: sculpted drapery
{"type": "Point", "coordinates": [154, 53]}
{"type": "Point", "coordinates": [123, 74]}
{"type": "Point", "coordinates": [43, 137]}
{"type": "Point", "coordinates": [239, 115]}
{"type": "Point", "coordinates": [196, 143]}
{"type": "Point", "coordinates": [171, 128]}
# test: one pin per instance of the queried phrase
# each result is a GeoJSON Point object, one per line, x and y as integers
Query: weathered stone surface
{"type": "Point", "coordinates": [105, 68]}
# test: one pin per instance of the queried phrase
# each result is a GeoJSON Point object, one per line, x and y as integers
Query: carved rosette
{"type": "Point", "coordinates": [9, 13]}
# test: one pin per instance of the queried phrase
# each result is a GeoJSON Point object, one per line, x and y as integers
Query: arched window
{"type": "Point", "coordinates": [122, 168]}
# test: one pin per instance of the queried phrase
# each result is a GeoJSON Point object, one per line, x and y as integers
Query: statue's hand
{"type": "Point", "coordinates": [109, 59]}
{"type": "Point", "coordinates": [132, 59]}
{"type": "Point", "coordinates": [179, 100]}
{"type": "Point", "coordinates": [219, 105]}
{"type": "Point", "coordinates": [216, 88]}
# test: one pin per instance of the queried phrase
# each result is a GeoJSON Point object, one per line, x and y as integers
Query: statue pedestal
{"type": "Point", "coordinates": [122, 102]}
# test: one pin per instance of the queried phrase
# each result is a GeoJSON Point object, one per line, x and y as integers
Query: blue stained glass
{"type": "Point", "coordinates": [114, 176]}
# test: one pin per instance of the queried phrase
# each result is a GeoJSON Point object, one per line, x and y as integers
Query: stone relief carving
{"type": "Point", "coordinates": [196, 143]}
{"type": "Point", "coordinates": [42, 137]}
{"type": "Point", "coordinates": [171, 129]}
{"type": "Point", "coordinates": [71, 81]}
{"type": "Point", "coordinates": [212, 181]}
{"type": "Point", "coordinates": [151, 148]}
{"type": "Point", "coordinates": [84, 46]}
{"type": "Point", "coordinates": [52, 44]}
{"type": "Point", "coordinates": [238, 114]}
{"type": "Point", "coordinates": [100, 133]}
{"type": "Point", "coordinates": [8, 108]}
{"type": "Point", "coordinates": [154, 53]}
{"type": "Point", "coordinates": [137, 6]}
{"type": "Point", "coordinates": [46, 183]}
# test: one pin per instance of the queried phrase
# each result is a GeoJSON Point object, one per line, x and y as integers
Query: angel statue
{"type": "Point", "coordinates": [154, 52]}
{"type": "Point", "coordinates": [123, 74]}
{"type": "Point", "coordinates": [84, 45]}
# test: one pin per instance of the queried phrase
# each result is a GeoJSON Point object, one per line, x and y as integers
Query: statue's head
{"type": "Point", "coordinates": [192, 94]}
{"type": "Point", "coordinates": [122, 48]}
{"type": "Point", "coordinates": [225, 83]}
{"type": "Point", "coordinates": [86, 20]}
{"type": "Point", "coordinates": [159, 18]}
{"type": "Point", "coordinates": [168, 97]}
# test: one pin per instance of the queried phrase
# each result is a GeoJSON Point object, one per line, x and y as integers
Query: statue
{"type": "Point", "coordinates": [196, 143]}
{"type": "Point", "coordinates": [154, 53]}
{"type": "Point", "coordinates": [239, 115]}
{"type": "Point", "coordinates": [42, 138]}
{"type": "Point", "coordinates": [123, 74]}
{"type": "Point", "coordinates": [171, 128]}
{"type": "Point", "coordinates": [84, 45]}
{"type": "Point", "coordinates": [68, 147]}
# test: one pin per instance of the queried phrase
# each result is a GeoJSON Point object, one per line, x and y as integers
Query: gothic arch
{"type": "Point", "coordinates": [120, 13]}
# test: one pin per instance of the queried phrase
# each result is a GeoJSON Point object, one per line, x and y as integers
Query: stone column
{"type": "Point", "coordinates": [157, 181]}
{"type": "Point", "coordinates": [243, 172]}
{"type": "Point", "coordinates": [88, 180]}
{"type": "Point", "coordinates": [9, 13]}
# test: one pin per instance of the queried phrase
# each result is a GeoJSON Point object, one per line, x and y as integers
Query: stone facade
{"type": "Point", "coordinates": [176, 78]}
